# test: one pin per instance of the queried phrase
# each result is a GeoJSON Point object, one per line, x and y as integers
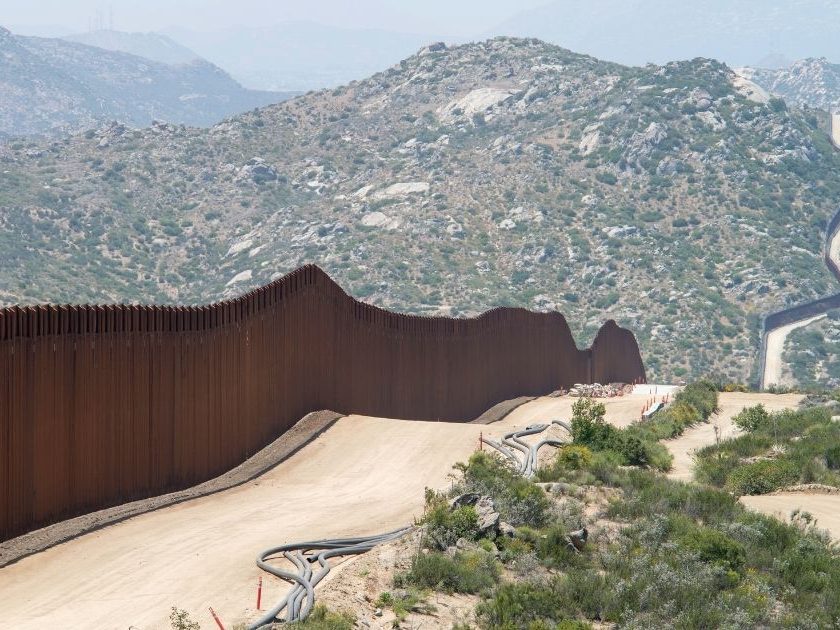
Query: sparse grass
{"type": "Point", "coordinates": [464, 572]}
{"type": "Point", "coordinates": [405, 601]}
{"type": "Point", "coordinates": [323, 619]}
{"type": "Point", "coordinates": [779, 449]}
{"type": "Point", "coordinates": [687, 556]}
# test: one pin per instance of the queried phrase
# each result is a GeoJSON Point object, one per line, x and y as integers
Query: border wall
{"type": "Point", "coordinates": [806, 310]}
{"type": "Point", "coordinates": [100, 405]}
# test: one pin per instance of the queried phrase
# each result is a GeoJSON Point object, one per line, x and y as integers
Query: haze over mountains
{"type": "Point", "coordinates": [811, 82]}
{"type": "Point", "coordinates": [52, 86]}
{"type": "Point", "coordinates": [739, 32]}
{"type": "Point", "coordinates": [301, 55]}
{"type": "Point", "coordinates": [675, 198]}
{"type": "Point", "coordinates": [154, 46]}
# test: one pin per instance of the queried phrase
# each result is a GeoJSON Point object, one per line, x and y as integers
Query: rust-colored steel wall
{"type": "Point", "coordinates": [100, 405]}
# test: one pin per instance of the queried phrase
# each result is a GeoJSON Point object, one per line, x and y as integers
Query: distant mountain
{"type": "Point", "coordinates": [300, 55]}
{"type": "Point", "coordinates": [812, 82]}
{"type": "Point", "coordinates": [51, 86]}
{"type": "Point", "coordinates": [677, 199]}
{"type": "Point", "coordinates": [739, 32]}
{"type": "Point", "coordinates": [152, 46]}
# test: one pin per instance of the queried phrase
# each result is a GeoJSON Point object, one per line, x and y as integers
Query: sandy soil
{"type": "Point", "coordinates": [363, 475]}
{"type": "Point", "coordinates": [775, 347]}
{"type": "Point", "coordinates": [683, 447]}
{"type": "Point", "coordinates": [824, 507]}
{"type": "Point", "coordinates": [621, 411]}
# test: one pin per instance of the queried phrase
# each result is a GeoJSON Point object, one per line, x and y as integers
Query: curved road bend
{"type": "Point", "coordinates": [361, 476]}
{"type": "Point", "coordinates": [775, 338]}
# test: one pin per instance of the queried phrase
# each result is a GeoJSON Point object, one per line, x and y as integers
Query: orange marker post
{"type": "Point", "coordinates": [259, 593]}
{"type": "Point", "coordinates": [216, 619]}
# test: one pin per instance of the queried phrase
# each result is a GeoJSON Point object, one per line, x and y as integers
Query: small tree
{"type": "Point", "coordinates": [588, 426]}
{"type": "Point", "coordinates": [752, 418]}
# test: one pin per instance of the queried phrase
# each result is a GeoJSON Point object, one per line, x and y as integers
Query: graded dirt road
{"type": "Point", "coordinates": [362, 476]}
{"type": "Point", "coordinates": [621, 411]}
{"type": "Point", "coordinates": [824, 507]}
{"type": "Point", "coordinates": [775, 347]}
{"type": "Point", "coordinates": [683, 447]}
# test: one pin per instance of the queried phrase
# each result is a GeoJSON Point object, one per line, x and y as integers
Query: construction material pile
{"type": "Point", "coordinates": [596, 390]}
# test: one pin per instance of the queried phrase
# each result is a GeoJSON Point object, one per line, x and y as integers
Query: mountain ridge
{"type": "Point", "coordinates": [153, 46]}
{"type": "Point", "coordinates": [505, 172]}
{"type": "Point", "coordinates": [52, 87]}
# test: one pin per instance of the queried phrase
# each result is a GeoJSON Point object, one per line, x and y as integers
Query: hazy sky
{"type": "Point", "coordinates": [435, 17]}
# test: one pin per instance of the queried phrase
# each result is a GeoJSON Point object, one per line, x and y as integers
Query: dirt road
{"type": "Point", "coordinates": [824, 507]}
{"type": "Point", "coordinates": [773, 364]}
{"type": "Point", "coordinates": [363, 475]}
{"type": "Point", "coordinates": [683, 447]}
{"type": "Point", "coordinates": [620, 411]}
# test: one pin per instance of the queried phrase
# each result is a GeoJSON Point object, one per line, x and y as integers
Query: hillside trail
{"type": "Point", "coordinates": [824, 507]}
{"type": "Point", "coordinates": [361, 476]}
{"type": "Point", "coordinates": [730, 404]}
{"type": "Point", "coordinates": [775, 347]}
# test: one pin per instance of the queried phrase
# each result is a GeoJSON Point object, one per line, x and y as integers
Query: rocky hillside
{"type": "Point", "coordinates": [670, 198]}
{"type": "Point", "coordinates": [51, 86]}
{"type": "Point", "coordinates": [154, 46]}
{"type": "Point", "coordinates": [810, 82]}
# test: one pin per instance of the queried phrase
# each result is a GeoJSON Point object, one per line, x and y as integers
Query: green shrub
{"type": "Point", "coordinates": [832, 457]}
{"type": "Point", "coordinates": [445, 526]}
{"type": "Point", "coordinates": [713, 546]}
{"type": "Point", "coordinates": [465, 572]}
{"type": "Point", "coordinates": [322, 619]}
{"type": "Point", "coordinates": [512, 548]}
{"type": "Point", "coordinates": [574, 457]}
{"type": "Point", "coordinates": [752, 418]}
{"type": "Point", "coordinates": [552, 546]}
{"type": "Point", "coordinates": [589, 427]}
{"type": "Point", "coordinates": [528, 606]}
{"type": "Point", "coordinates": [714, 470]}
{"type": "Point", "coordinates": [518, 501]}
{"type": "Point", "coordinates": [633, 450]}
{"type": "Point", "coordinates": [762, 477]}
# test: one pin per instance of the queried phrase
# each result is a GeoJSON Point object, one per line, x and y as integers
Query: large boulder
{"type": "Point", "coordinates": [488, 517]}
